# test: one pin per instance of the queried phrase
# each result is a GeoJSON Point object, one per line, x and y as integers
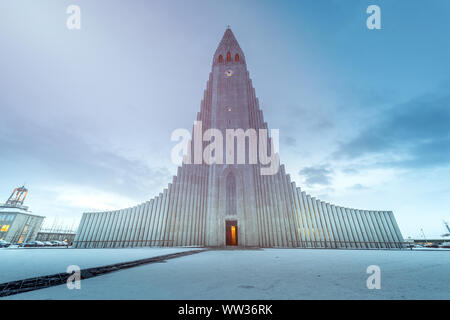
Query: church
{"type": "Point", "coordinates": [222, 204]}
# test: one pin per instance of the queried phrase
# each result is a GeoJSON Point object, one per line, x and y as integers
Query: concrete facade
{"type": "Point", "coordinates": [267, 210]}
{"type": "Point", "coordinates": [18, 225]}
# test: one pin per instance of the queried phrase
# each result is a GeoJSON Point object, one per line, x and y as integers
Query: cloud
{"type": "Point", "coordinates": [64, 157]}
{"type": "Point", "coordinates": [358, 186]}
{"type": "Point", "coordinates": [83, 197]}
{"type": "Point", "coordinates": [413, 134]}
{"type": "Point", "coordinates": [316, 175]}
{"type": "Point", "coordinates": [290, 141]}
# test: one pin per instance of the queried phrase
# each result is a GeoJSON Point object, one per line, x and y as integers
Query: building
{"type": "Point", "coordinates": [213, 204]}
{"type": "Point", "coordinates": [17, 223]}
{"type": "Point", "coordinates": [59, 235]}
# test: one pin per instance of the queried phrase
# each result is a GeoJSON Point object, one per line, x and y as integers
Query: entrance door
{"type": "Point", "coordinates": [231, 230]}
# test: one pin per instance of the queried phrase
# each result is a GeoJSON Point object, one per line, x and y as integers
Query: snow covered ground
{"type": "Point", "coordinates": [271, 274]}
{"type": "Point", "coordinates": [23, 263]}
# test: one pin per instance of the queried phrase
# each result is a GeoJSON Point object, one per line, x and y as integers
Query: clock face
{"type": "Point", "coordinates": [229, 73]}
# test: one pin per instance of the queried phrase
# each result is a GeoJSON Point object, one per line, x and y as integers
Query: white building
{"type": "Point", "coordinates": [17, 223]}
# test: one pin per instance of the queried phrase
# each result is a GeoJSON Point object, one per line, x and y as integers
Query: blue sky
{"type": "Point", "coordinates": [364, 115]}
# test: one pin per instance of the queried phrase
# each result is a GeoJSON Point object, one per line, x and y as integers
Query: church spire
{"type": "Point", "coordinates": [228, 49]}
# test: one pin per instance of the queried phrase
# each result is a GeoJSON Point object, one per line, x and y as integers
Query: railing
{"type": "Point", "coordinates": [326, 244]}
{"type": "Point", "coordinates": [297, 244]}
{"type": "Point", "coordinates": [122, 243]}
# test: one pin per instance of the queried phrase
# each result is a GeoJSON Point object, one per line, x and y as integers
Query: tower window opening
{"type": "Point", "coordinates": [236, 58]}
{"type": "Point", "coordinates": [228, 56]}
{"type": "Point", "coordinates": [220, 59]}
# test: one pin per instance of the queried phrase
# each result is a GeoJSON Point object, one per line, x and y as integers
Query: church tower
{"type": "Point", "coordinates": [226, 199]}
{"type": "Point", "coordinates": [230, 103]}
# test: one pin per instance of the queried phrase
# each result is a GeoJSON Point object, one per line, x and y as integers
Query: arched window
{"type": "Point", "coordinates": [228, 56]}
{"type": "Point", "coordinates": [231, 195]}
{"type": "Point", "coordinates": [236, 57]}
{"type": "Point", "coordinates": [220, 58]}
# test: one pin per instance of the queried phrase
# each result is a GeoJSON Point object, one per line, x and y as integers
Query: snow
{"type": "Point", "coordinates": [271, 274]}
{"type": "Point", "coordinates": [23, 263]}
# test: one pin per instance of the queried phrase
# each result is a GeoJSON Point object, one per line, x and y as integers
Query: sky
{"type": "Point", "coordinates": [86, 115]}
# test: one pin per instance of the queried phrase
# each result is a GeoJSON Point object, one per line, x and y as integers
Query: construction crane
{"type": "Point", "coordinates": [448, 229]}
{"type": "Point", "coordinates": [17, 197]}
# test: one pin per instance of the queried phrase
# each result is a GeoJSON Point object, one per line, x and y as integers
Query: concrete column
{"type": "Point", "coordinates": [167, 216]}
{"type": "Point", "coordinates": [142, 223]}
{"type": "Point", "coordinates": [132, 226]}
{"type": "Point", "coordinates": [162, 217]}
{"type": "Point", "coordinates": [354, 228]}
{"type": "Point", "coordinates": [270, 223]}
{"type": "Point", "coordinates": [291, 212]}
{"type": "Point", "coordinates": [342, 227]}
{"type": "Point", "coordinates": [305, 219]}
{"type": "Point", "coordinates": [373, 230]}
{"type": "Point", "coordinates": [181, 209]}
{"type": "Point", "coordinates": [285, 207]}
{"type": "Point", "coordinates": [302, 218]}
{"type": "Point", "coordinates": [362, 228]}
{"type": "Point", "coordinates": [155, 213]}
{"type": "Point", "coordinates": [328, 226]}
{"type": "Point", "coordinates": [204, 206]}
{"type": "Point", "coordinates": [89, 226]}
{"type": "Point", "coordinates": [189, 208]}
{"type": "Point", "coordinates": [126, 223]}
{"type": "Point", "coordinates": [264, 230]}
{"type": "Point", "coordinates": [274, 211]}
{"type": "Point", "coordinates": [349, 225]}
{"type": "Point", "coordinates": [93, 230]}
{"type": "Point", "coordinates": [84, 225]}
{"type": "Point", "coordinates": [172, 211]}
{"type": "Point", "coordinates": [120, 228]}
{"type": "Point", "coordinates": [310, 227]}
{"type": "Point", "coordinates": [80, 229]}
{"type": "Point", "coordinates": [176, 203]}
{"type": "Point", "coordinates": [386, 229]}
{"type": "Point", "coordinates": [300, 223]}
{"type": "Point", "coordinates": [380, 233]}
{"type": "Point", "coordinates": [280, 209]}
{"type": "Point", "coordinates": [138, 226]}
{"type": "Point", "coordinates": [197, 208]}
{"type": "Point", "coordinates": [112, 232]}
{"type": "Point", "coordinates": [389, 230]}
{"type": "Point", "coordinates": [315, 225]}
{"type": "Point", "coordinates": [187, 193]}
{"type": "Point", "coordinates": [105, 224]}
{"type": "Point", "coordinates": [368, 229]}
{"type": "Point", "coordinates": [323, 225]}
{"type": "Point", "coordinates": [316, 214]}
{"type": "Point", "coordinates": [147, 226]}
{"type": "Point", "coordinates": [334, 226]}
{"type": "Point", "coordinates": [395, 225]}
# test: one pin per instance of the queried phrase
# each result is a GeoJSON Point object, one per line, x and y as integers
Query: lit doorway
{"type": "Point", "coordinates": [231, 230]}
